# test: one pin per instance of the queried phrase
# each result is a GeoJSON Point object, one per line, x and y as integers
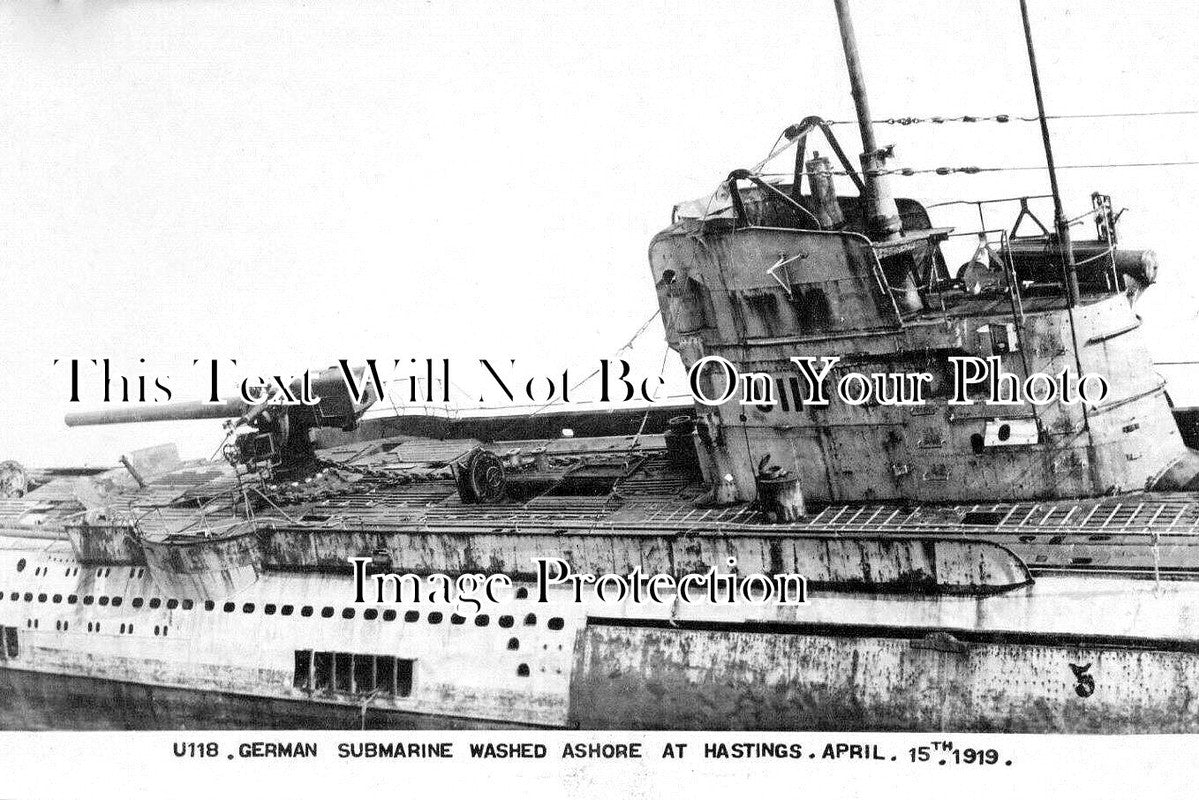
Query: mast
{"type": "Point", "coordinates": [882, 217]}
{"type": "Point", "coordinates": [1059, 216]}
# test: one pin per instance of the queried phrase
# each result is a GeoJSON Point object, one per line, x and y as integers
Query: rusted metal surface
{"type": "Point", "coordinates": [205, 568]}
{"type": "Point", "coordinates": [106, 543]}
{"type": "Point", "coordinates": [328, 521]}
{"type": "Point", "coordinates": [658, 678]}
{"type": "Point", "coordinates": [843, 660]}
{"type": "Point", "coordinates": [765, 290]}
{"type": "Point", "coordinates": [869, 563]}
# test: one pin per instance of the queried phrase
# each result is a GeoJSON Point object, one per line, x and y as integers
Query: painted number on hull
{"type": "Point", "coordinates": [1085, 683]}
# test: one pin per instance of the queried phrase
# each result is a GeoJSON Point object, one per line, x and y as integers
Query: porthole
{"type": "Point", "coordinates": [122, 627]}
{"type": "Point", "coordinates": [155, 630]}
{"type": "Point", "coordinates": [457, 619]}
{"type": "Point", "coordinates": [88, 599]}
{"type": "Point", "coordinates": [530, 619]}
{"type": "Point", "coordinates": [41, 598]}
{"type": "Point", "coordinates": [116, 601]}
{"type": "Point", "coordinates": [209, 605]}
{"type": "Point", "coordinates": [556, 623]}
{"type": "Point", "coordinates": [506, 621]}
{"type": "Point", "coordinates": [228, 608]}
{"type": "Point", "coordinates": [327, 612]}
{"type": "Point", "coordinates": [435, 618]}
{"type": "Point", "coordinates": [247, 608]}
{"type": "Point", "coordinates": [482, 620]}
{"type": "Point", "coordinates": [514, 643]}
{"type": "Point", "coordinates": [522, 671]}
{"type": "Point", "coordinates": [155, 602]}
{"type": "Point", "coordinates": [188, 605]}
{"type": "Point", "coordinates": [389, 615]}
{"type": "Point", "coordinates": [138, 602]}
{"type": "Point", "coordinates": [165, 629]}
{"type": "Point", "coordinates": [103, 599]}
{"type": "Point", "coordinates": [21, 565]}
{"type": "Point", "coordinates": [370, 613]}
{"type": "Point", "coordinates": [347, 613]}
{"type": "Point", "coordinates": [172, 604]}
{"type": "Point", "coordinates": [269, 609]}
{"type": "Point", "coordinates": [14, 596]}
{"type": "Point", "coordinates": [522, 593]}
{"type": "Point", "coordinates": [71, 599]}
{"type": "Point", "coordinates": [99, 573]}
{"type": "Point", "coordinates": [89, 627]}
{"type": "Point", "coordinates": [306, 611]}
{"type": "Point", "coordinates": [286, 610]}
{"type": "Point", "coordinates": [411, 616]}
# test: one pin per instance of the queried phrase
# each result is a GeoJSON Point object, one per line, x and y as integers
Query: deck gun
{"type": "Point", "coordinates": [270, 438]}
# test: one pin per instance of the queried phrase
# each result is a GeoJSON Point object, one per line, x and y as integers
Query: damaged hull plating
{"type": "Point", "coordinates": [293, 650]}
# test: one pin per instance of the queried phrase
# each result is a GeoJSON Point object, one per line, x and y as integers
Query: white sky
{"type": "Point", "coordinates": [288, 184]}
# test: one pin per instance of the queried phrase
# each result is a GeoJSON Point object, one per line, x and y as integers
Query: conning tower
{"type": "Point", "coordinates": [764, 271]}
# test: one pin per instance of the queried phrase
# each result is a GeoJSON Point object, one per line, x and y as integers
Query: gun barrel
{"type": "Point", "coordinates": [225, 409]}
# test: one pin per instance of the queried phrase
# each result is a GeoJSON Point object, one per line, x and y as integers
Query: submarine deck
{"type": "Point", "coordinates": [592, 485]}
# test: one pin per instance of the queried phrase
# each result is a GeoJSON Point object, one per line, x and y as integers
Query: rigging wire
{"type": "Point", "coordinates": [780, 146]}
{"type": "Point", "coordinates": [908, 172]}
{"type": "Point", "coordinates": [558, 400]}
{"type": "Point", "coordinates": [1002, 118]}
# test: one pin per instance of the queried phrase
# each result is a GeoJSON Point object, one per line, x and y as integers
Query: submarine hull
{"type": "Point", "coordinates": [646, 678]}
{"type": "Point", "coordinates": [40, 701]}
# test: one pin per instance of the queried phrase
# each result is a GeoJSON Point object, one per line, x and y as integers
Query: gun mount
{"type": "Point", "coordinates": [269, 438]}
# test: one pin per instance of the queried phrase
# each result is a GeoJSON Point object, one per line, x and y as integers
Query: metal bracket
{"type": "Point", "coordinates": [782, 262]}
{"type": "Point", "coordinates": [1025, 212]}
